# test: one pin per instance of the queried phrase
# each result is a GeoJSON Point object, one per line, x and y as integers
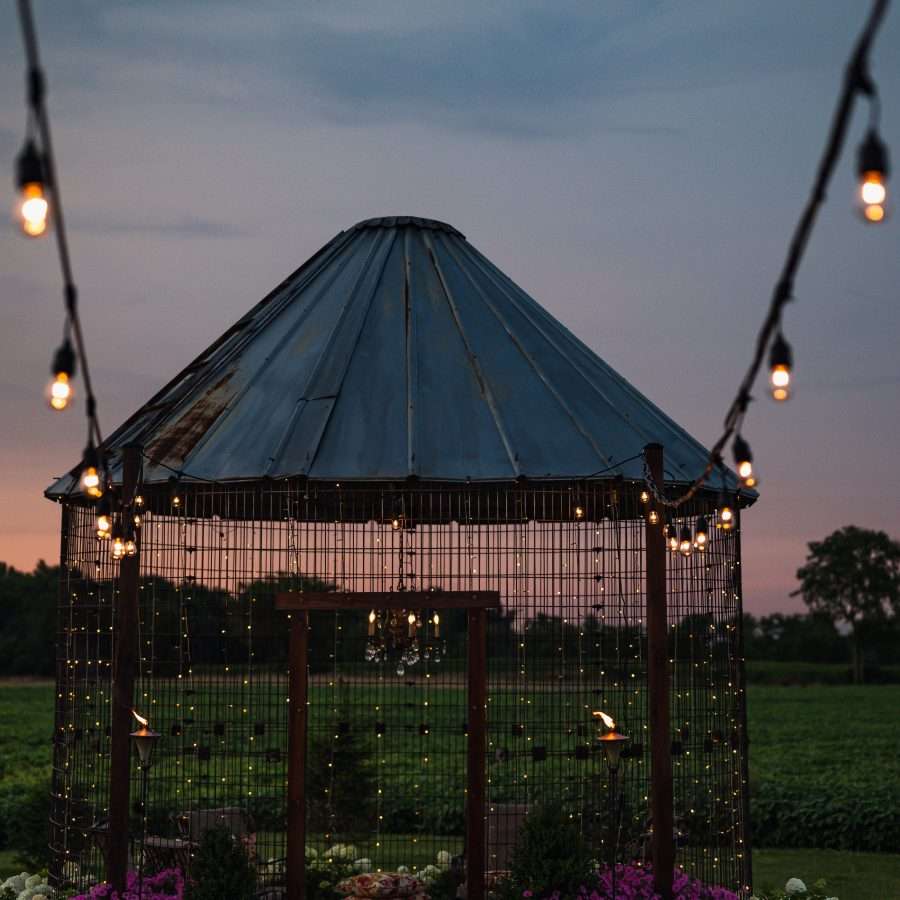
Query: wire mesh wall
{"type": "Point", "coordinates": [387, 749]}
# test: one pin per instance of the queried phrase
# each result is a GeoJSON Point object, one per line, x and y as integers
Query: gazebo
{"type": "Point", "coordinates": [387, 549]}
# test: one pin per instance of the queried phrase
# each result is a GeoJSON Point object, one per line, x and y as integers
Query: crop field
{"type": "Point", "coordinates": [825, 766]}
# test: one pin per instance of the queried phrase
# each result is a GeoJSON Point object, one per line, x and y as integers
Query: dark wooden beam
{"type": "Point", "coordinates": [659, 679]}
{"type": "Point", "coordinates": [298, 728]}
{"type": "Point", "coordinates": [388, 600]}
{"type": "Point", "coordinates": [125, 631]}
{"type": "Point", "coordinates": [476, 747]}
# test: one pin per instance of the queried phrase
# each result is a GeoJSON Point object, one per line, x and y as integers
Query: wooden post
{"type": "Point", "coordinates": [658, 679]}
{"type": "Point", "coordinates": [475, 774]}
{"type": "Point", "coordinates": [125, 637]}
{"type": "Point", "coordinates": [298, 725]}
{"type": "Point", "coordinates": [746, 834]}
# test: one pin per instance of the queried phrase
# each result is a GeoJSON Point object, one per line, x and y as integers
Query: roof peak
{"type": "Point", "coordinates": [406, 222]}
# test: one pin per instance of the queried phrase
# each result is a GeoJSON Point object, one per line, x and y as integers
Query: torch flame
{"type": "Point", "coordinates": [140, 719]}
{"type": "Point", "coordinates": [608, 721]}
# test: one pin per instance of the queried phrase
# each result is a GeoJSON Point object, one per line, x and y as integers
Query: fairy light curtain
{"type": "Point", "coordinates": [387, 751]}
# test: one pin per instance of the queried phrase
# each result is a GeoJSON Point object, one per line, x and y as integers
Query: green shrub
{"type": "Point", "coordinates": [340, 783]}
{"type": "Point", "coordinates": [221, 869]}
{"type": "Point", "coordinates": [550, 855]}
{"type": "Point", "coordinates": [24, 818]}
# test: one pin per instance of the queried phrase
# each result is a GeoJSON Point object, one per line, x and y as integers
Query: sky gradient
{"type": "Point", "coordinates": [637, 168]}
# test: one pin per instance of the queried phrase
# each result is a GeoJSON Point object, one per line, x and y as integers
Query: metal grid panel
{"type": "Point", "coordinates": [387, 751]}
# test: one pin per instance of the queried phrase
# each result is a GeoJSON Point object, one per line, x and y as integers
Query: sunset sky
{"type": "Point", "coordinates": [637, 168]}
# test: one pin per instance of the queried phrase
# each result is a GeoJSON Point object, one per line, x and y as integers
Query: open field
{"type": "Point", "coordinates": [850, 876]}
{"type": "Point", "coordinates": [838, 744]}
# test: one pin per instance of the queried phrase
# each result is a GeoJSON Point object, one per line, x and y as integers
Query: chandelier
{"type": "Point", "coordinates": [404, 636]}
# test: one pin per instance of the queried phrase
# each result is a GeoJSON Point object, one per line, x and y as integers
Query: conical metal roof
{"type": "Point", "coordinates": [399, 350]}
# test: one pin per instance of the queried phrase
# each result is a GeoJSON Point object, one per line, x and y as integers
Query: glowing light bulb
{"type": "Point", "coordinates": [59, 392]}
{"type": "Point", "coordinates": [726, 518]}
{"type": "Point", "coordinates": [117, 546]}
{"type": "Point", "coordinates": [701, 533]}
{"type": "Point", "coordinates": [780, 364]}
{"type": "Point", "coordinates": [873, 168]}
{"type": "Point", "coordinates": [872, 189]}
{"type": "Point", "coordinates": [395, 524]}
{"type": "Point", "coordinates": [104, 526]}
{"type": "Point", "coordinates": [672, 537]}
{"type": "Point", "coordinates": [685, 544]}
{"type": "Point", "coordinates": [130, 547]}
{"type": "Point", "coordinates": [744, 460]}
{"type": "Point", "coordinates": [579, 512]}
{"type": "Point", "coordinates": [32, 208]}
{"type": "Point", "coordinates": [645, 497]}
{"type": "Point", "coordinates": [653, 517]}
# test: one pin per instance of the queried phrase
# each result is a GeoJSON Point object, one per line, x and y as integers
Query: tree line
{"type": "Point", "coordinates": [850, 583]}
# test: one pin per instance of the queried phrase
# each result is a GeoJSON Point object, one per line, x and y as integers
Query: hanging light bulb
{"type": "Point", "coordinates": [59, 392]}
{"type": "Point", "coordinates": [117, 544]}
{"type": "Point", "coordinates": [32, 208]}
{"type": "Point", "coordinates": [579, 512]}
{"type": "Point", "coordinates": [726, 517]}
{"type": "Point", "coordinates": [91, 483]}
{"type": "Point", "coordinates": [701, 533]}
{"type": "Point", "coordinates": [744, 460]}
{"type": "Point", "coordinates": [873, 170]}
{"type": "Point", "coordinates": [645, 497]}
{"type": "Point", "coordinates": [395, 523]}
{"type": "Point", "coordinates": [104, 518]}
{"type": "Point", "coordinates": [685, 544]}
{"type": "Point", "coordinates": [130, 547]}
{"type": "Point", "coordinates": [653, 517]}
{"type": "Point", "coordinates": [780, 360]}
{"type": "Point", "coordinates": [671, 537]}
{"type": "Point", "coordinates": [174, 492]}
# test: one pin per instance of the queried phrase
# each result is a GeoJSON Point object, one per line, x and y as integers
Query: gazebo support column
{"type": "Point", "coordinates": [298, 729]}
{"type": "Point", "coordinates": [659, 678]}
{"type": "Point", "coordinates": [476, 747]}
{"type": "Point", "coordinates": [125, 631]}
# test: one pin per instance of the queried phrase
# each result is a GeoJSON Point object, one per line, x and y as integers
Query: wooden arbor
{"type": "Point", "coordinates": [476, 604]}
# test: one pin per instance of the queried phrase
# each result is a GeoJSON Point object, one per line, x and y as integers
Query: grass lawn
{"type": "Point", "coordinates": [801, 737]}
{"type": "Point", "coordinates": [850, 876]}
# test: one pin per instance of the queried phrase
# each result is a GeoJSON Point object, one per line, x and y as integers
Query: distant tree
{"type": "Point", "coordinates": [28, 620]}
{"type": "Point", "coordinates": [854, 577]}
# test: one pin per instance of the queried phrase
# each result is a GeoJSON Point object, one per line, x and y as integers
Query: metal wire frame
{"type": "Point", "coordinates": [387, 751]}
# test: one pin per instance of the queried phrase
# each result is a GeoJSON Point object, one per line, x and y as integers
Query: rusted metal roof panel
{"type": "Point", "coordinates": [399, 350]}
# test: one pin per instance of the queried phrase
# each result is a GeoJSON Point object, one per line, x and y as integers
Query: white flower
{"type": "Point", "coordinates": [402, 870]}
{"type": "Point", "coordinates": [341, 851]}
{"type": "Point", "coordinates": [363, 865]}
{"type": "Point", "coordinates": [429, 873]}
{"type": "Point", "coordinates": [795, 886]}
{"type": "Point", "coordinates": [443, 857]}
{"type": "Point", "coordinates": [16, 882]}
{"type": "Point", "coordinates": [33, 881]}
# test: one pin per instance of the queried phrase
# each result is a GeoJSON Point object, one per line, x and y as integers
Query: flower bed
{"type": "Point", "coordinates": [165, 885]}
